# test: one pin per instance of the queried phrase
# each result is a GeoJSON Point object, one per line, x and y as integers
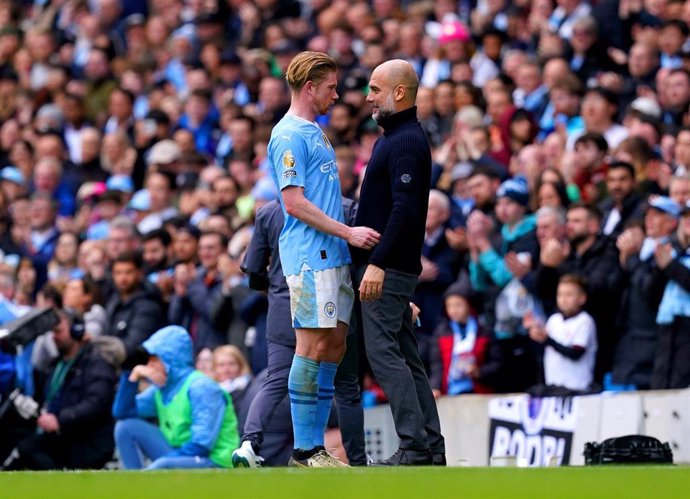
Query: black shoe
{"type": "Point", "coordinates": [408, 457]}
{"type": "Point", "coordinates": [438, 460]}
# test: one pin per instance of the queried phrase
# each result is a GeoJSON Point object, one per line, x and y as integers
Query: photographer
{"type": "Point", "coordinates": [74, 426]}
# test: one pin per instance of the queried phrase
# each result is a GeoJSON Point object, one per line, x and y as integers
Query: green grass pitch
{"type": "Point", "coordinates": [421, 483]}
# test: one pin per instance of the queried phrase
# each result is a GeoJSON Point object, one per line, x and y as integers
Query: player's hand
{"type": "Point", "coordinates": [529, 321]}
{"type": "Point", "coordinates": [663, 254]}
{"type": "Point", "coordinates": [479, 224]}
{"type": "Point", "coordinates": [553, 253]}
{"type": "Point", "coordinates": [415, 312]}
{"type": "Point", "coordinates": [538, 334]}
{"type": "Point", "coordinates": [372, 283]}
{"type": "Point", "coordinates": [48, 422]}
{"type": "Point", "coordinates": [184, 274]}
{"type": "Point", "coordinates": [228, 267]}
{"type": "Point", "coordinates": [457, 239]}
{"type": "Point", "coordinates": [142, 371]}
{"type": "Point", "coordinates": [629, 243]}
{"type": "Point", "coordinates": [517, 265]}
{"type": "Point", "coordinates": [429, 270]}
{"type": "Point", "coordinates": [363, 237]}
{"type": "Point", "coordinates": [437, 393]}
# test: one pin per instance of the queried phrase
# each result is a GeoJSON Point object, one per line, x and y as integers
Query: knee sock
{"type": "Point", "coordinates": [324, 379]}
{"type": "Point", "coordinates": [303, 390]}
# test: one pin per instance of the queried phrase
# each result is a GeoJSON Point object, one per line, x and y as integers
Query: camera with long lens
{"type": "Point", "coordinates": [19, 332]}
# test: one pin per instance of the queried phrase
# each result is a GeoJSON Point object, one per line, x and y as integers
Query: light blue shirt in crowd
{"type": "Point", "coordinates": [676, 300]}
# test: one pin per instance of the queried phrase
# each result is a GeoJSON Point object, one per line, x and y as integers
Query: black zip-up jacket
{"type": "Point", "coordinates": [605, 283]}
{"type": "Point", "coordinates": [395, 194]}
{"type": "Point", "coordinates": [83, 409]}
{"type": "Point", "coordinates": [633, 207]}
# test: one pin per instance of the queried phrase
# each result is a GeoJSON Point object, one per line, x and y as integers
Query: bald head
{"type": "Point", "coordinates": [392, 88]}
{"type": "Point", "coordinates": [400, 72]}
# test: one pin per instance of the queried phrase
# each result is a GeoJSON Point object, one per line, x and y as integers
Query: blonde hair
{"type": "Point", "coordinates": [235, 353]}
{"type": "Point", "coordinates": [309, 66]}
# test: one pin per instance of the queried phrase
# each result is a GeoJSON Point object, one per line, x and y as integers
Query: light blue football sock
{"type": "Point", "coordinates": [324, 380]}
{"type": "Point", "coordinates": [303, 390]}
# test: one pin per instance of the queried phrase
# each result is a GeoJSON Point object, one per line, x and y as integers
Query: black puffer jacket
{"type": "Point", "coordinates": [83, 408]}
{"type": "Point", "coordinates": [634, 357]}
{"type": "Point", "coordinates": [135, 319]}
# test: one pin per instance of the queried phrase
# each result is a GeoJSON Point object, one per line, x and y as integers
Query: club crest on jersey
{"type": "Point", "coordinates": [325, 141]}
{"type": "Point", "coordinates": [329, 309]}
{"type": "Point", "coordinates": [288, 159]}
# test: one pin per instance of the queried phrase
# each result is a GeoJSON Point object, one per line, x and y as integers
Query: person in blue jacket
{"type": "Point", "coordinates": [197, 425]}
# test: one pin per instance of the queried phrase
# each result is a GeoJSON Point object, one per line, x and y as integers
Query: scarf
{"type": "Point", "coordinates": [462, 357]}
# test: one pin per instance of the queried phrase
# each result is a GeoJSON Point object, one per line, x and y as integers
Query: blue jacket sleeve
{"type": "Point", "coordinates": [208, 410]}
{"type": "Point", "coordinates": [495, 267]}
{"type": "Point", "coordinates": [130, 405]}
{"type": "Point", "coordinates": [477, 277]}
{"type": "Point", "coordinates": [125, 405]}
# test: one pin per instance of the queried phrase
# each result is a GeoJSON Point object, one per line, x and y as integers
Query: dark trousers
{"type": "Point", "coordinates": [272, 392]}
{"type": "Point", "coordinates": [671, 366]}
{"type": "Point", "coordinates": [347, 398]}
{"type": "Point", "coordinates": [45, 451]}
{"type": "Point", "coordinates": [348, 402]}
{"type": "Point", "coordinates": [392, 350]}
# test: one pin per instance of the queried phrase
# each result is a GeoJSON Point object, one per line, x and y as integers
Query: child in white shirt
{"type": "Point", "coordinates": [570, 338]}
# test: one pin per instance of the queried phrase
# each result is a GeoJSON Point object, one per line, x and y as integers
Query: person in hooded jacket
{"type": "Point", "coordinates": [197, 425]}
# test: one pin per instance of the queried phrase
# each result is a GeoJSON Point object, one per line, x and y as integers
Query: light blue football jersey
{"type": "Point", "coordinates": [301, 155]}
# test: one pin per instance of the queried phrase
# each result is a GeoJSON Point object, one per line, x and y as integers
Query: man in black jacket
{"type": "Point", "coordinates": [588, 254]}
{"type": "Point", "coordinates": [394, 202]}
{"type": "Point", "coordinates": [645, 286]}
{"type": "Point", "coordinates": [134, 310]}
{"type": "Point", "coordinates": [75, 426]}
{"type": "Point", "coordinates": [623, 204]}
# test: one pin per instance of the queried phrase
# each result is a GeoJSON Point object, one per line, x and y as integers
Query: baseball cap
{"type": "Point", "coordinates": [141, 201]}
{"type": "Point", "coordinates": [163, 152]}
{"type": "Point", "coordinates": [515, 189]}
{"type": "Point", "coordinates": [666, 205]}
{"type": "Point", "coordinates": [453, 30]}
{"type": "Point", "coordinates": [14, 175]}
{"type": "Point", "coordinates": [90, 191]}
{"type": "Point", "coordinates": [122, 183]}
{"type": "Point", "coordinates": [647, 106]}
{"type": "Point", "coordinates": [461, 171]}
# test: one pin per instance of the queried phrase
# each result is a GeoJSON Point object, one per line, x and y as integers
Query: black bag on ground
{"type": "Point", "coordinates": [631, 449]}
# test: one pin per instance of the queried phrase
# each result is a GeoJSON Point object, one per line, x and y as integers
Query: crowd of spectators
{"type": "Point", "coordinates": [133, 139]}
